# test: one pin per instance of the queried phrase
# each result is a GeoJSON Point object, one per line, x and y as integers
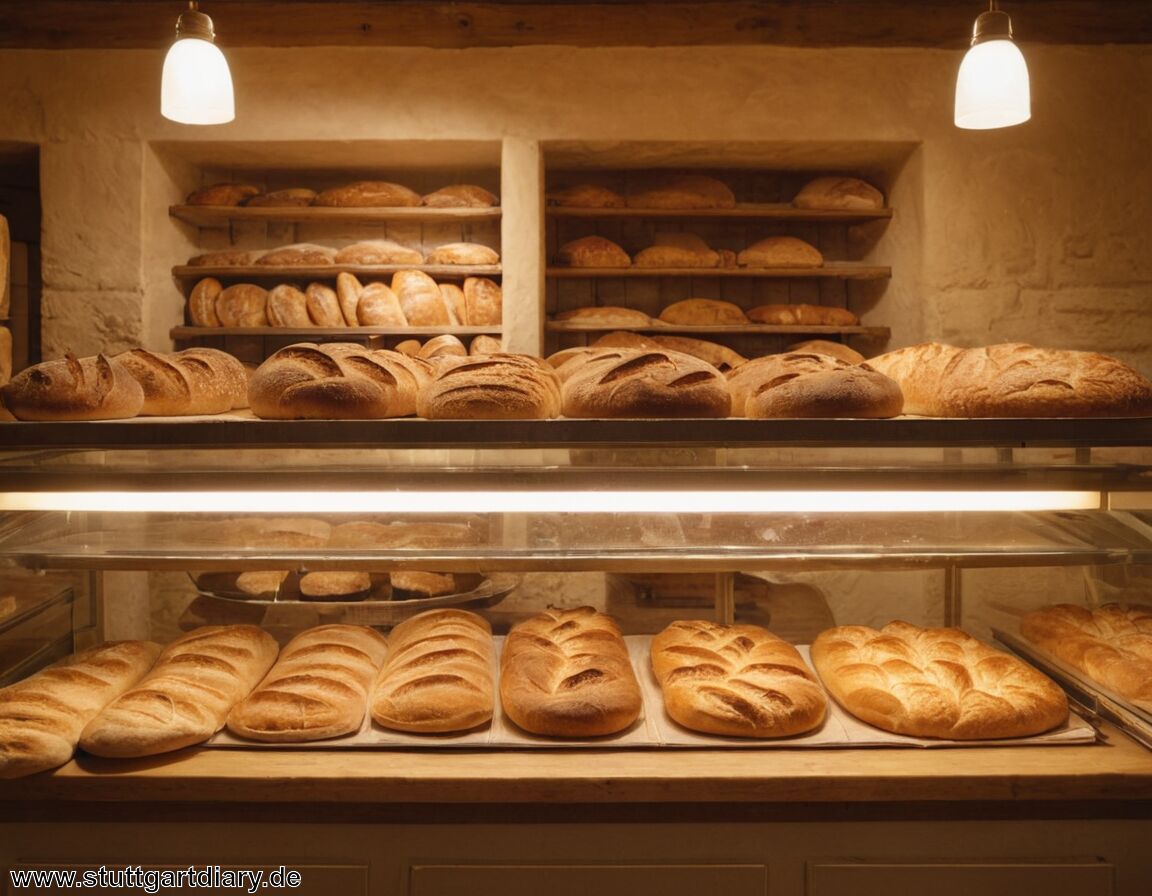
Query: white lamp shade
{"type": "Point", "coordinates": [196, 87]}
{"type": "Point", "coordinates": [992, 88]}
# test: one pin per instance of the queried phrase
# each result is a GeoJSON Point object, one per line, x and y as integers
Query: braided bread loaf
{"type": "Point", "coordinates": [622, 382]}
{"type": "Point", "coordinates": [491, 387]}
{"type": "Point", "coordinates": [438, 676]}
{"type": "Point", "coordinates": [194, 381]}
{"type": "Point", "coordinates": [566, 673]}
{"type": "Point", "coordinates": [317, 689]}
{"type": "Point", "coordinates": [187, 696]}
{"type": "Point", "coordinates": [935, 682]}
{"type": "Point", "coordinates": [97, 388]}
{"type": "Point", "coordinates": [42, 716]}
{"type": "Point", "coordinates": [738, 680]}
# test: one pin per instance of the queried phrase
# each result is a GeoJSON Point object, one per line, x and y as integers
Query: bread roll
{"type": "Point", "coordinates": [290, 197]}
{"type": "Point", "coordinates": [336, 381]}
{"type": "Point", "coordinates": [318, 688]}
{"type": "Point", "coordinates": [605, 316]}
{"type": "Point", "coordinates": [803, 315]}
{"type": "Point", "coordinates": [420, 299]}
{"type": "Point", "coordinates": [226, 258]}
{"type": "Point", "coordinates": [484, 345]}
{"type": "Point", "coordinates": [593, 252]}
{"type": "Point", "coordinates": [369, 194]}
{"type": "Point", "coordinates": [187, 696]}
{"type": "Point", "coordinates": [461, 196]}
{"type": "Point", "coordinates": [686, 191]}
{"type": "Point", "coordinates": [637, 383]}
{"type": "Point", "coordinates": [735, 680]}
{"type": "Point", "coordinates": [323, 305]}
{"type": "Point", "coordinates": [463, 253]}
{"type": "Point", "coordinates": [222, 194]}
{"type": "Point", "coordinates": [378, 306]}
{"type": "Point", "coordinates": [330, 584]}
{"type": "Point", "coordinates": [42, 716]}
{"type": "Point", "coordinates": [95, 388]}
{"type": "Point", "coordinates": [809, 384]}
{"type": "Point", "coordinates": [304, 255]}
{"type": "Point", "coordinates": [348, 290]}
{"type": "Point", "coordinates": [378, 252]}
{"type": "Point", "coordinates": [780, 252]}
{"type": "Point", "coordinates": [438, 675]}
{"type": "Point", "coordinates": [566, 673]}
{"type": "Point", "coordinates": [703, 312]}
{"type": "Point", "coordinates": [935, 682]}
{"type": "Point", "coordinates": [825, 347]}
{"type": "Point", "coordinates": [492, 387]}
{"type": "Point", "coordinates": [195, 381]}
{"type": "Point", "coordinates": [287, 306]}
{"type": "Point", "coordinates": [1014, 380]}
{"type": "Point", "coordinates": [483, 302]}
{"type": "Point", "coordinates": [849, 193]}
{"type": "Point", "coordinates": [677, 250]}
{"type": "Point", "coordinates": [202, 303]}
{"type": "Point", "coordinates": [586, 196]}
{"type": "Point", "coordinates": [243, 305]}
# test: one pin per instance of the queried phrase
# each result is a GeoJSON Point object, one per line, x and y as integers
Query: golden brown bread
{"type": "Point", "coordinates": [286, 306]}
{"type": "Point", "coordinates": [454, 300]}
{"type": "Point", "coordinates": [461, 196]}
{"type": "Point", "coordinates": [298, 255]}
{"type": "Point", "coordinates": [586, 196]}
{"type": "Point", "coordinates": [463, 253]}
{"type": "Point", "coordinates": [413, 584]}
{"type": "Point", "coordinates": [1111, 644]}
{"type": "Point", "coordinates": [336, 381]}
{"type": "Point", "coordinates": [780, 252]}
{"type": "Point", "coordinates": [838, 193]}
{"type": "Point", "coordinates": [222, 194]}
{"type": "Point", "coordinates": [378, 252]}
{"type": "Point", "coordinates": [483, 302]}
{"type": "Point", "coordinates": [605, 316]}
{"type": "Point", "coordinates": [484, 345]}
{"type": "Point", "coordinates": [491, 387]}
{"type": "Point", "coordinates": [1014, 380]}
{"type": "Point", "coordinates": [566, 673]}
{"type": "Point", "coordinates": [42, 716]}
{"type": "Point", "coordinates": [202, 303]}
{"type": "Point", "coordinates": [97, 388]}
{"type": "Point", "coordinates": [935, 682]}
{"type": "Point", "coordinates": [684, 191]}
{"type": "Point", "coordinates": [797, 384]}
{"type": "Point", "coordinates": [803, 315]}
{"type": "Point", "coordinates": [317, 689]}
{"type": "Point", "coordinates": [243, 305]}
{"type": "Point", "coordinates": [187, 696]}
{"type": "Point", "coordinates": [736, 680]}
{"type": "Point", "coordinates": [348, 291]}
{"type": "Point", "coordinates": [703, 312]}
{"type": "Point", "coordinates": [194, 381]}
{"type": "Point", "coordinates": [677, 250]}
{"type": "Point", "coordinates": [442, 347]}
{"type": "Point", "coordinates": [289, 197]}
{"type": "Point", "coordinates": [226, 258]}
{"type": "Point", "coordinates": [377, 306]}
{"type": "Point", "coordinates": [637, 383]}
{"type": "Point", "coordinates": [323, 305]}
{"type": "Point", "coordinates": [438, 675]}
{"type": "Point", "coordinates": [369, 194]}
{"type": "Point", "coordinates": [593, 252]}
{"type": "Point", "coordinates": [827, 347]}
{"type": "Point", "coordinates": [719, 356]}
{"type": "Point", "coordinates": [335, 584]}
{"type": "Point", "coordinates": [421, 300]}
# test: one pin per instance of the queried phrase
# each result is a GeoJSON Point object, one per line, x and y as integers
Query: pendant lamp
{"type": "Point", "coordinates": [992, 87]}
{"type": "Point", "coordinates": [196, 87]}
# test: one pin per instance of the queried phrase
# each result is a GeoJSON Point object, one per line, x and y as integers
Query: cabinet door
{"type": "Point", "coordinates": [1083, 877]}
{"type": "Point", "coordinates": [582, 880]}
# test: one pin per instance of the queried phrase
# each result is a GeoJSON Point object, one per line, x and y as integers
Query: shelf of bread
{"type": "Point", "coordinates": [832, 270]}
{"type": "Point", "coordinates": [306, 334]}
{"type": "Point", "coordinates": [223, 216]}
{"type": "Point", "coordinates": [657, 326]}
{"type": "Point", "coordinates": [290, 273]}
{"type": "Point", "coordinates": [745, 211]}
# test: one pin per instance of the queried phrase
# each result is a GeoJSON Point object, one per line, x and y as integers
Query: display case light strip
{"type": "Point", "coordinates": [554, 501]}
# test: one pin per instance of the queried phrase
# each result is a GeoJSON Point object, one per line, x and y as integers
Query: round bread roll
{"type": "Point", "coordinates": [96, 388]}
{"type": "Point", "coordinates": [839, 193]}
{"type": "Point", "coordinates": [599, 316]}
{"type": "Point", "coordinates": [463, 253]}
{"type": "Point", "coordinates": [826, 347]}
{"type": "Point", "coordinates": [242, 305]}
{"type": "Point", "coordinates": [780, 252]}
{"type": "Point", "coordinates": [803, 315]}
{"type": "Point", "coordinates": [225, 194]}
{"type": "Point", "coordinates": [586, 196]}
{"type": "Point", "coordinates": [290, 197]}
{"type": "Point", "coordinates": [677, 250]}
{"type": "Point", "coordinates": [461, 196]}
{"type": "Point", "coordinates": [703, 312]}
{"type": "Point", "coordinates": [492, 387]}
{"type": "Point", "coordinates": [378, 252]}
{"type": "Point", "coordinates": [811, 385]}
{"type": "Point", "coordinates": [593, 252]}
{"type": "Point", "coordinates": [202, 303]}
{"type": "Point", "coordinates": [369, 194]}
{"type": "Point", "coordinates": [288, 307]}
{"type": "Point", "coordinates": [687, 191]}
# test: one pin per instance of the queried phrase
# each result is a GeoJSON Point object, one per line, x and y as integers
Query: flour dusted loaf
{"type": "Point", "coordinates": [1111, 644]}
{"type": "Point", "coordinates": [1014, 379]}
{"type": "Point", "coordinates": [42, 716]}
{"type": "Point", "coordinates": [593, 252]}
{"type": "Point", "coordinates": [317, 689]}
{"type": "Point", "coordinates": [935, 682]}
{"type": "Point", "coordinates": [421, 300]}
{"type": "Point", "coordinates": [809, 384]}
{"type": "Point", "coordinates": [491, 387]}
{"type": "Point", "coordinates": [780, 252]}
{"type": "Point", "coordinates": [839, 193]}
{"type": "Point", "coordinates": [463, 253]}
{"type": "Point", "coordinates": [622, 382]}
{"type": "Point", "coordinates": [461, 196]}
{"type": "Point", "coordinates": [566, 673]}
{"type": "Point", "coordinates": [369, 194]}
{"type": "Point", "coordinates": [736, 680]}
{"type": "Point", "coordinates": [483, 302]}
{"type": "Point", "coordinates": [438, 675]}
{"type": "Point", "coordinates": [605, 316]}
{"type": "Point", "coordinates": [187, 696]}
{"type": "Point", "coordinates": [298, 255]}
{"type": "Point", "coordinates": [287, 306]}
{"type": "Point", "coordinates": [242, 305]}
{"type": "Point", "coordinates": [336, 381]}
{"type": "Point", "coordinates": [71, 388]}
{"type": "Point", "coordinates": [194, 381]}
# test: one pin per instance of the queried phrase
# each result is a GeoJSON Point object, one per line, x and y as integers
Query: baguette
{"type": "Point", "coordinates": [638, 383]}
{"type": "Point", "coordinates": [42, 716]}
{"type": "Point", "coordinates": [438, 675]}
{"type": "Point", "coordinates": [97, 388]}
{"type": "Point", "coordinates": [318, 688]}
{"type": "Point", "coordinates": [187, 696]}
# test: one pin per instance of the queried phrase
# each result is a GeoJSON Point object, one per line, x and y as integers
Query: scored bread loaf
{"type": "Point", "coordinates": [194, 381]}
{"type": "Point", "coordinates": [810, 384]}
{"type": "Point", "coordinates": [935, 682]}
{"type": "Point", "coordinates": [377, 306]}
{"type": "Point", "coordinates": [780, 252]}
{"type": "Point", "coordinates": [287, 306]}
{"type": "Point", "coordinates": [298, 255]}
{"type": "Point", "coordinates": [677, 250]}
{"type": "Point", "coordinates": [804, 315]}
{"type": "Point", "coordinates": [626, 382]}
{"type": "Point", "coordinates": [703, 312]}
{"type": "Point", "coordinates": [42, 716]}
{"type": "Point", "coordinates": [289, 197]}
{"type": "Point", "coordinates": [736, 680]}
{"type": "Point", "coordinates": [605, 316]}
{"type": "Point", "coordinates": [461, 196]}
{"type": "Point", "coordinates": [317, 689]}
{"type": "Point", "coordinates": [438, 675]}
{"type": "Point", "coordinates": [585, 196]}
{"type": "Point", "coordinates": [826, 347]}
{"type": "Point", "coordinates": [838, 193]}
{"type": "Point", "coordinates": [187, 696]}
{"type": "Point", "coordinates": [483, 302]}
{"type": "Point", "coordinates": [491, 387]}
{"type": "Point", "coordinates": [336, 381]}
{"type": "Point", "coordinates": [566, 673]}
{"type": "Point", "coordinates": [323, 305]}
{"type": "Point", "coordinates": [463, 253]}
{"type": "Point", "coordinates": [421, 300]}
{"type": "Point", "coordinates": [593, 252]}
{"type": "Point", "coordinates": [684, 191]}
{"type": "Point", "coordinates": [442, 347]}
{"type": "Point", "coordinates": [222, 194]}
{"type": "Point", "coordinates": [369, 194]}
{"type": "Point", "coordinates": [719, 356]}
{"type": "Point", "coordinates": [378, 252]}
{"type": "Point", "coordinates": [1111, 644]}
{"type": "Point", "coordinates": [71, 388]}
{"type": "Point", "coordinates": [1014, 380]}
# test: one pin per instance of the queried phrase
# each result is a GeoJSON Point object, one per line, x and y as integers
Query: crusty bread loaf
{"type": "Point", "coordinates": [849, 193]}
{"type": "Point", "coordinates": [1111, 644]}
{"type": "Point", "coordinates": [585, 196]}
{"type": "Point", "coordinates": [566, 673]}
{"type": "Point", "coordinates": [637, 383]}
{"type": "Point", "coordinates": [222, 194]}
{"type": "Point", "coordinates": [242, 305]}
{"type": "Point", "coordinates": [378, 306]}
{"type": "Point", "coordinates": [348, 291]}
{"type": "Point", "coordinates": [378, 252]}
{"type": "Point", "coordinates": [483, 302]}
{"type": "Point", "coordinates": [935, 682]}
{"type": "Point", "coordinates": [195, 381]}
{"type": "Point", "coordinates": [798, 384]}
{"type": "Point", "coordinates": [780, 252]}
{"type": "Point", "coordinates": [703, 312]}
{"type": "Point", "coordinates": [736, 680]}
{"type": "Point", "coordinates": [442, 347]}
{"type": "Point", "coordinates": [323, 305]}
{"type": "Point", "coordinates": [187, 696]}
{"type": "Point", "coordinates": [202, 303]}
{"type": "Point", "coordinates": [226, 258]}
{"type": "Point", "coordinates": [42, 716]}
{"type": "Point", "coordinates": [491, 387]}
{"type": "Point", "coordinates": [461, 196]}
{"type": "Point", "coordinates": [289, 197]}
{"type": "Point", "coordinates": [410, 347]}
{"type": "Point", "coordinates": [463, 253]}
{"type": "Point", "coordinates": [287, 306]}
{"type": "Point", "coordinates": [827, 347]}
{"type": "Point", "coordinates": [298, 255]}
{"type": "Point", "coordinates": [803, 315]}
{"type": "Point", "coordinates": [605, 316]}
{"type": "Point", "coordinates": [420, 299]}
{"type": "Point", "coordinates": [97, 388]}
{"type": "Point", "coordinates": [677, 250]}
{"type": "Point", "coordinates": [593, 252]}
{"type": "Point", "coordinates": [335, 585]}
{"type": "Point", "coordinates": [1014, 380]}
{"type": "Point", "coordinates": [369, 194]}
{"type": "Point", "coordinates": [416, 584]}
{"type": "Point", "coordinates": [317, 689]}
{"type": "Point", "coordinates": [484, 345]}
{"type": "Point", "coordinates": [684, 191]}
{"type": "Point", "coordinates": [336, 381]}
{"type": "Point", "coordinates": [454, 301]}
{"type": "Point", "coordinates": [438, 675]}
{"type": "Point", "coordinates": [719, 356]}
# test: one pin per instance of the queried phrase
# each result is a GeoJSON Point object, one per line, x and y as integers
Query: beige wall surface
{"type": "Point", "coordinates": [1037, 233]}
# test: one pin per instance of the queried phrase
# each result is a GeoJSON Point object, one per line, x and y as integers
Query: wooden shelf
{"type": "Point", "coordinates": [743, 211]}
{"type": "Point", "coordinates": [223, 216]}
{"type": "Point", "coordinates": [329, 272]}
{"type": "Point", "coordinates": [329, 332]}
{"type": "Point", "coordinates": [836, 271]}
{"type": "Point", "coordinates": [718, 329]}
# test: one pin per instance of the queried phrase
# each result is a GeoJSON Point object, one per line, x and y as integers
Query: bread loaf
{"type": "Point", "coordinates": [1014, 380]}
{"type": "Point", "coordinates": [378, 252]}
{"type": "Point", "coordinates": [95, 388]}
{"type": "Point", "coordinates": [442, 347]}
{"type": "Point", "coordinates": [461, 196]}
{"type": "Point", "coordinates": [420, 299]}
{"type": "Point", "coordinates": [605, 316]}
{"type": "Point", "coordinates": [719, 356]}
{"type": "Point", "coordinates": [463, 253]}
{"type": "Point", "coordinates": [780, 252]}
{"type": "Point", "coordinates": [336, 381]}
{"type": "Point", "coordinates": [803, 315]}
{"type": "Point", "coordinates": [593, 252]}
{"type": "Point", "coordinates": [222, 194]}
{"type": "Point", "coordinates": [323, 305]}
{"type": "Point", "coordinates": [566, 673]}
{"type": "Point", "coordinates": [202, 303]}
{"type": "Point", "coordinates": [811, 385]}
{"type": "Point", "coordinates": [849, 193]}
{"type": "Point", "coordinates": [378, 306]}
{"type": "Point", "coordinates": [369, 194]}
{"type": "Point", "coordinates": [42, 716]}
{"type": "Point", "coordinates": [735, 680]}
{"type": "Point", "coordinates": [484, 345]}
{"type": "Point", "coordinates": [585, 196]}
{"type": "Point", "coordinates": [454, 300]}
{"type": "Point", "coordinates": [348, 290]}
{"type": "Point", "coordinates": [483, 302]}
{"type": "Point", "coordinates": [243, 305]}
{"type": "Point", "coordinates": [637, 383]}
{"type": "Point", "coordinates": [1111, 644]}
{"type": "Point", "coordinates": [194, 381]}
{"type": "Point", "coordinates": [416, 584]}
{"type": "Point", "coordinates": [187, 696]}
{"type": "Point", "coordinates": [826, 347]}
{"type": "Point", "coordinates": [438, 675]}
{"type": "Point", "coordinates": [287, 306]}
{"type": "Point", "coordinates": [335, 584]}
{"type": "Point", "coordinates": [935, 682]}
{"type": "Point", "coordinates": [492, 387]}
{"type": "Point", "coordinates": [290, 197]}
{"type": "Point", "coordinates": [686, 191]}
{"type": "Point", "coordinates": [317, 689]}
{"type": "Point", "coordinates": [302, 255]}
{"type": "Point", "coordinates": [226, 258]}
{"type": "Point", "coordinates": [677, 250]}
{"type": "Point", "coordinates": [703, 312]}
